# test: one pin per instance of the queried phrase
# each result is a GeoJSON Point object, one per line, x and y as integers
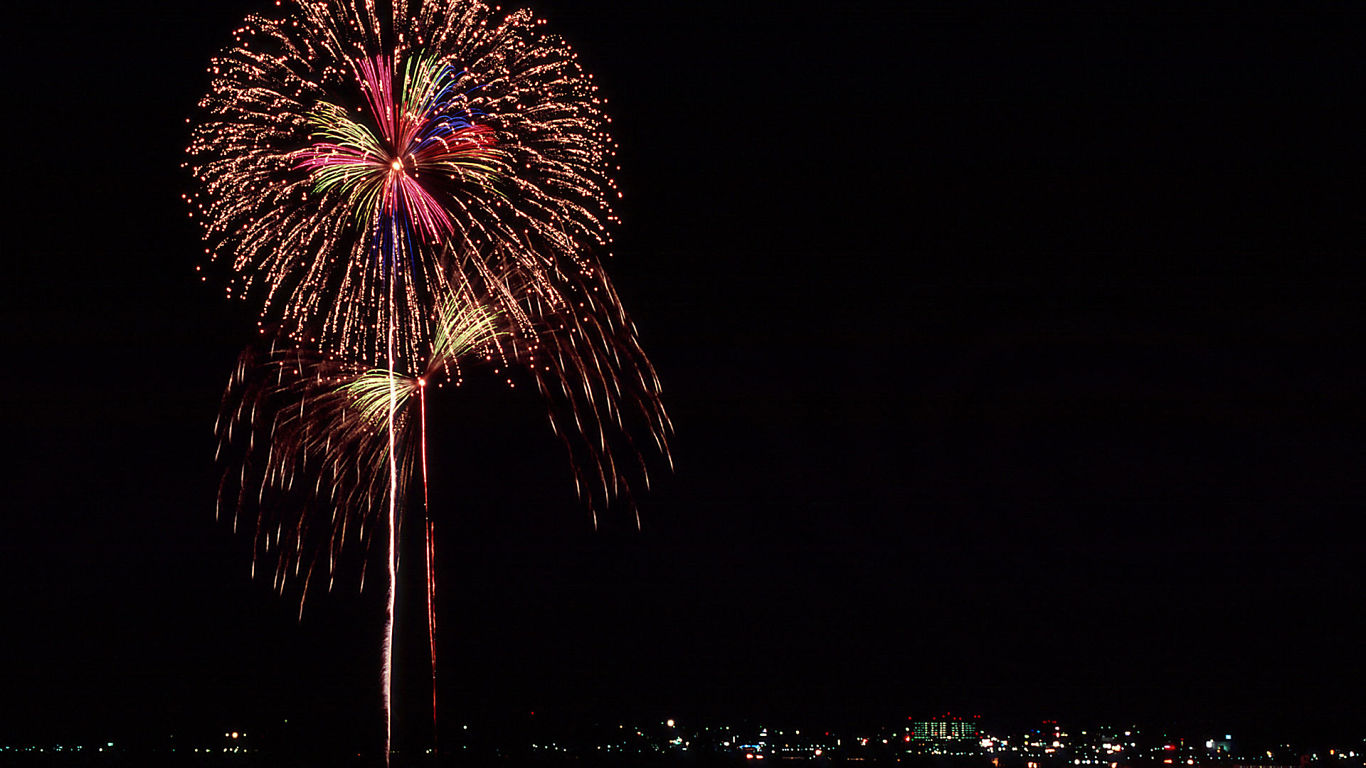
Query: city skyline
{"type": "Point", "coordinates": [948, 739]}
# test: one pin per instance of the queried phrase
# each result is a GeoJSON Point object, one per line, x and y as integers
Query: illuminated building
{"type": "Point", "coordinates": [944, 728]}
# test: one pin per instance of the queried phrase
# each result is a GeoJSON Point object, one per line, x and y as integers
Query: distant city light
{"type": "Point", "coordinates": [1037, 747]}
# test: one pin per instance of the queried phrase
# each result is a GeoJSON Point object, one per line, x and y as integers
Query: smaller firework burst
{"type": "Point", "coordinates": [312, 432]}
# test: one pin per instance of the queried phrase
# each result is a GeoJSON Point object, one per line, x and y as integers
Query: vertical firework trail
{"type": "Point", "coordinates": [429, 536]}
{"type": "Point", "coordinates": [430, 194]}
{"type": "Point", "coordinates": [392, 552]}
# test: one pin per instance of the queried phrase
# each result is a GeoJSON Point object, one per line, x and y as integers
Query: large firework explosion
{"type": "Point", "coordinates": [406, 192]}
{"type": "Point", "coordinates": [330, 152]}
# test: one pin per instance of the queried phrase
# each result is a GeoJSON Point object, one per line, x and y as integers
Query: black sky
{"type": "Point", "coordinates": [1015, 358]}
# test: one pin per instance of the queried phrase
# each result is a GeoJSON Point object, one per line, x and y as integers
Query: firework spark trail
{"type": "Point", "coordinates": [392, 553]}
{"type": "Point", "coordinates": [429, 531]}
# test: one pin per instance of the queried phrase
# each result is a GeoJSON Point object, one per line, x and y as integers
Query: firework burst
{"type": "Point", "coordinates": [336, 149]}
{"type": "Point", "coordinates": [403, 195]}
{"type": "Point", "coordinates": [308, 432]}
{"type": "Point", "coordinates": [304, 431]}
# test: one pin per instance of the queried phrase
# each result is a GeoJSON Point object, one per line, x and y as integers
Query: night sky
{"type": "Point", "coordinates": [1015, 360]}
